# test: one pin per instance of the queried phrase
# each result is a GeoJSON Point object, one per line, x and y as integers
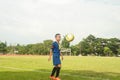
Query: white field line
{"type": "Point", "coordinates": [49, 72]}
{"type": "Point", "coordinates": [22, 69]}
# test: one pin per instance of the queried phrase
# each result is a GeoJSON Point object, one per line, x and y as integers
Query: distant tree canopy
{"type": "Point", "coordinates": [35, 49]}
{"type": "Point", "coordinates": [90, 45]}
{"type": "Point", "coordinates": [65, 43]}
{"type": "Point", "coordinates": [3, 47]}
{"type": "Point", "coordinates": [99, 46]}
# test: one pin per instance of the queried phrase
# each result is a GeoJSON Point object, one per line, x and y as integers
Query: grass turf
{"type": "Point", "coordinates": [73, 68]}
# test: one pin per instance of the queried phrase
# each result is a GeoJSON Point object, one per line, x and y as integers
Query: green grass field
{"type": "Point", "coordinates": [73, 68]}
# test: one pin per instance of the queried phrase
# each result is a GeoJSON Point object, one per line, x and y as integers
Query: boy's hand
{"type": "Point", "coordinates": [62, 58]}
{"type": "Point", "coordinates": [49, 59]}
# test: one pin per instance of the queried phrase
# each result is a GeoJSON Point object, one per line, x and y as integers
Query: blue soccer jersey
{"type": "Point", "coordinates": [56, 53]}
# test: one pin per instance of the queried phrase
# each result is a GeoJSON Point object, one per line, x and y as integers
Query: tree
{"type": "Point", "coordinates": [22, 50]}
{"type": "Point", "coordinates": [65, 43]}
{"type": "Point", "coordinates": [90, 45]}
{"type": "Point", "coordinates": [84, 47]}
{"type": "Point", "coordinates": [91, 38]}
{"type": "Point", "coordinates": [99, 46]}
{"type": "Point", "coordinates": [118, 51]}
{"type": "Point", "coordinates": [75, 50]}
{"type": "Point", "coordinates": [107, 51]}
{"type": "Point", "coordinates": [3, 47]}
{"type": "Point", "coordinates": [47, 46]}
{"type": "Point", "coordinates": [112, 43]}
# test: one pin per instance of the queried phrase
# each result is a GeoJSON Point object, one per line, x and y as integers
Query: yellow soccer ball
{"type": "Point", "coordinates": [69, 37]}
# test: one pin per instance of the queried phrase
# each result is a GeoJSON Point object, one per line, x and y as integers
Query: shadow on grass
{"type": "Point", "coordinates": [65, 75]}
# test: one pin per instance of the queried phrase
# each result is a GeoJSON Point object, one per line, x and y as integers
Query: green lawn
{"type": "Point", "coordinates": [73, 68]}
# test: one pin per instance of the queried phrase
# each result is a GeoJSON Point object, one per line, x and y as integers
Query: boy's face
{"type": "Point", "coordinates": [58, 38]}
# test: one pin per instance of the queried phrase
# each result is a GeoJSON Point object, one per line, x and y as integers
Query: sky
{"type": "Point", "coordinates": [32, 21]}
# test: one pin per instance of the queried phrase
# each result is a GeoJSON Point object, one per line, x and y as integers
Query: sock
{"type": "Point", "coordinates": [53, 71]}
{"type": "Point", "coordinates": [58, 71]}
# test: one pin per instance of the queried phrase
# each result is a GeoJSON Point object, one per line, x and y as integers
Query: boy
{"type": "Point", "coordinates": [55, 51]}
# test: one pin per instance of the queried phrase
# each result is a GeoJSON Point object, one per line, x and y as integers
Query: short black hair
{"type": "Point", "coordinates": [57, 34]}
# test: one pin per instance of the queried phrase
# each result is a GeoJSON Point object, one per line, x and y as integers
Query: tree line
{"type": "Point", "coordinates": [90, 45]}
{"type": "Point", "coordinates": [97, 46]}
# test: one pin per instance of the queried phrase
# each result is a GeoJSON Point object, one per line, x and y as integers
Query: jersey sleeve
{"type": "Point", "coordinates": [53, 46]}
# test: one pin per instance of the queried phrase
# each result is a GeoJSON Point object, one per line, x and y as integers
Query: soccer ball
{"type": "Point", "coordinates": [69, 37]}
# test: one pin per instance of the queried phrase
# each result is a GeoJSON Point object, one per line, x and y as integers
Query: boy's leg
{"type": "Point", "coordinates": [58, 70]}
{"type": "Point", "coordinates": [53, 71]}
